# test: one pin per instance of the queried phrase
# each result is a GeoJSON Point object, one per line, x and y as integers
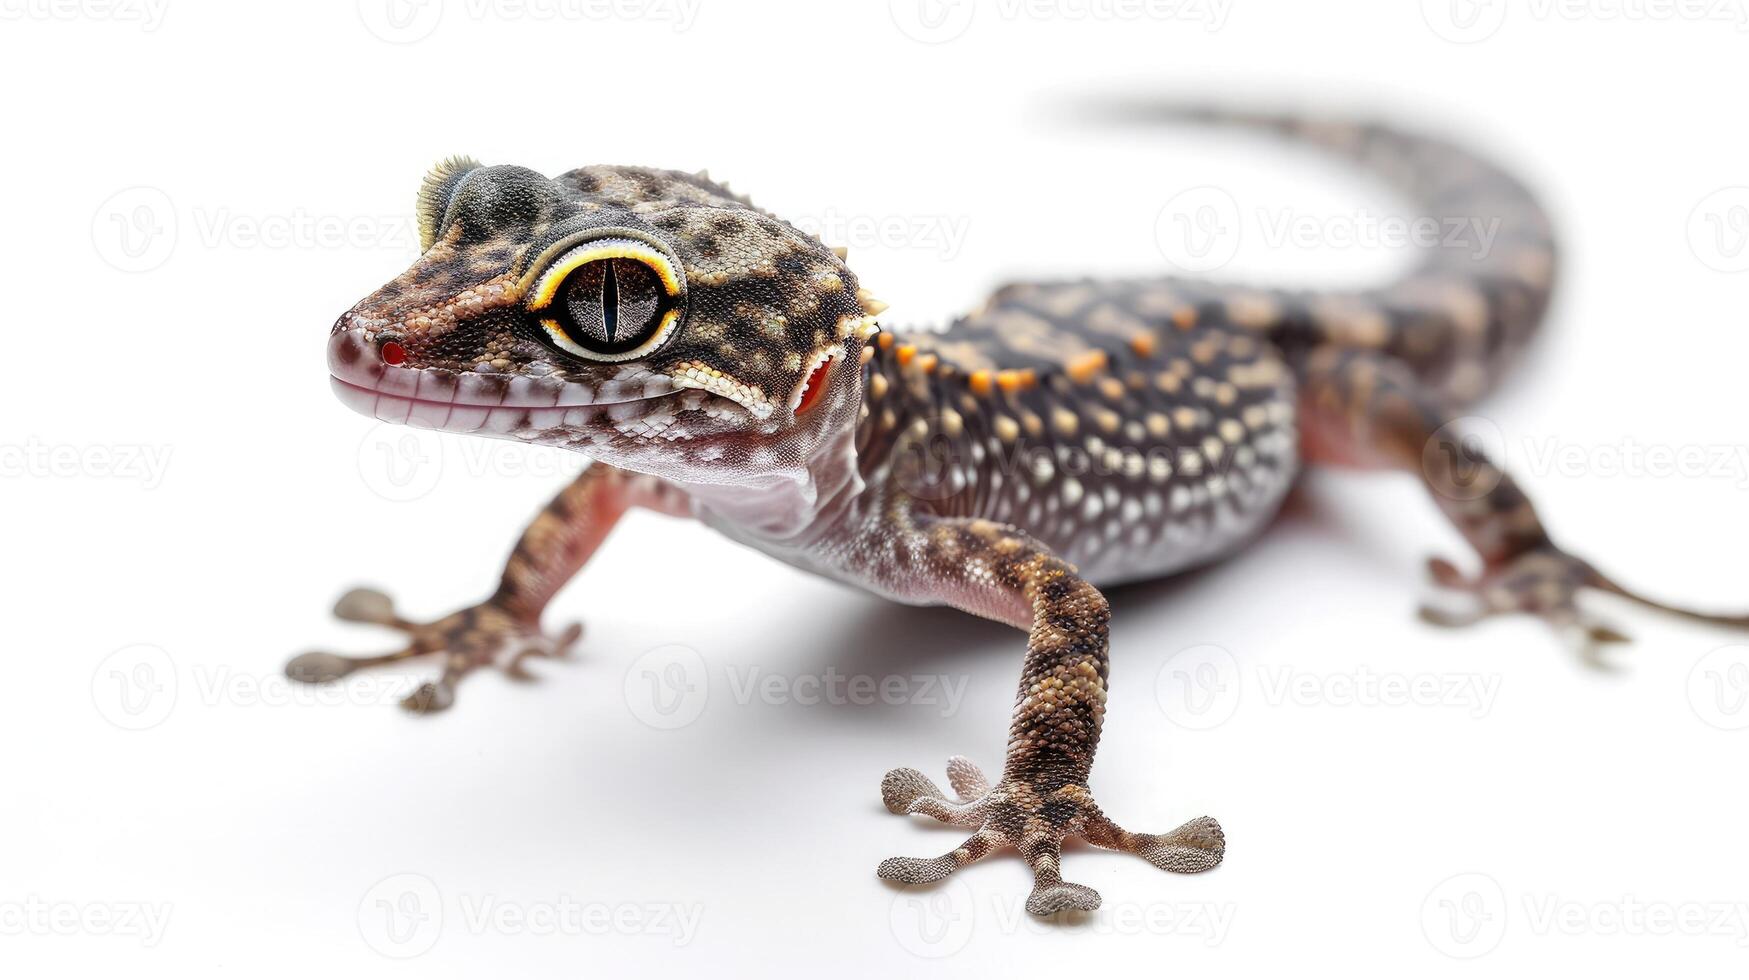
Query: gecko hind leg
{"type": "Point", "coordinates": [1365, 409]}
{"type": "Point", "coordinates": [487, 634]}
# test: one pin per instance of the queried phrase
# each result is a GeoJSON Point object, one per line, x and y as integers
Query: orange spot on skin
{"type": "Point", "coordinates": [1082, 368]}
{"type": "Point", "coordinates": [815, 386]}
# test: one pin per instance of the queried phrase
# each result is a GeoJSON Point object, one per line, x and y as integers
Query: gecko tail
{"type": "Point", "coordinates": [1486, 261]}
{"type": "Point", "coordinates": [1606, 584]}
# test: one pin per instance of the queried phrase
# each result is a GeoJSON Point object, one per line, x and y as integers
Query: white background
{"type": "Point", "coordinates": [196, 191]}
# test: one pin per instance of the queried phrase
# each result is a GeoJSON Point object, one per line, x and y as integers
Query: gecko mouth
{"type": "Point", "coordinates": [494, 404]}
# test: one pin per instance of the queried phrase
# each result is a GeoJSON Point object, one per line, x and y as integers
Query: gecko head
{"type": "Point", "coordinates": [648, 318]}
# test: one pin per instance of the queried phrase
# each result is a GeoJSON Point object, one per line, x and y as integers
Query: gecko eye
{"type": "Point", "coordinates": [609, 299]}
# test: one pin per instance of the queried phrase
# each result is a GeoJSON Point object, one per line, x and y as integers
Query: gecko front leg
{"type": "Point", "coordinates": [504, 630]}
{"type": "Point", "coordinates": [999, 572]}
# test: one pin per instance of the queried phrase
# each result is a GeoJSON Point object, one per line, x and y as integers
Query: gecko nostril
{"type": "Point", "coordinates": [392, 352]}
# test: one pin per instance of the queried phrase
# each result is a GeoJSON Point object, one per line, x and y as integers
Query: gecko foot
{"type": "Point", "coordinates": [1543, 582]}
{"type": "Point", "coordinates": [1016, 812]}
{"type": "Point", "coordinates": [478, 636]}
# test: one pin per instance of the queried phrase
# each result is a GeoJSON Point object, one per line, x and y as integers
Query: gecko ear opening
{"type": "Point", "coordinates": [436, 191]}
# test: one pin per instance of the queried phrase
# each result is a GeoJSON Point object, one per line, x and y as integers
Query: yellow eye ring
{"type": "Point", "coordinates": [547, 286]}
{"type": "Point", "coordinates": [554, 266]}
{"type": "Point", "coordinates": [658, 337]}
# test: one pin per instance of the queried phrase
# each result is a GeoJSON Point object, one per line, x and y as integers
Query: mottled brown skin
{"type": "Point", "coordinates": [1066, 435]}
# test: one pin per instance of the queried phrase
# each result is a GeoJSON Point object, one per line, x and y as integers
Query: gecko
{"type": "Point", "coordinates": [716, 363]}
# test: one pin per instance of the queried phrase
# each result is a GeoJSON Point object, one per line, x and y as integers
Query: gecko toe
{"type": "Point", "coordinates": [915, 871]}
{"type": "Point", "coordinates": [430, 698]}
{"type": "Point", "coordinates": [319, 668]}
{"type": "Point", "coordinates": [488, 634]}
{"type": "Point", "coordinates": [902, 787]}
{"type": "Point", "coordinates": [1049, 899]}
{"type": "Point", "coordinates": [367, 606]}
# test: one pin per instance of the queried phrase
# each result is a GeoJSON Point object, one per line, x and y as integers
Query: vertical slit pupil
{"type": "Point", "coordinates": [610, 300]}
